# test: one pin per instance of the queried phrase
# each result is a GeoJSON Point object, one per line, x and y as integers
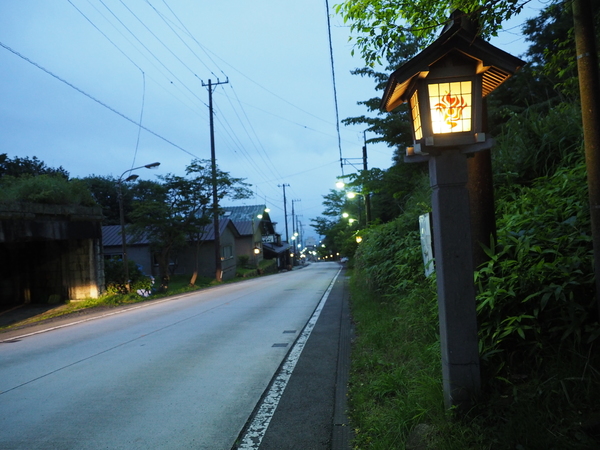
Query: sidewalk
{"type": "Point", "coordinates": [312, 411]}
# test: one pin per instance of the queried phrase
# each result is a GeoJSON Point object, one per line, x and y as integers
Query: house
{"type": "Point", "coordinates": [183, 260]}
{"type": "Point", "coordinates": [253, 222]}
{"type": "Point", "coordinates": [258, 239]}
{"type": "Point", "coordinates": [138, 248]}
{"type": "Point", "coordinates": [245, 231]}
{"type": "Point", "coordinates": [49, 253]}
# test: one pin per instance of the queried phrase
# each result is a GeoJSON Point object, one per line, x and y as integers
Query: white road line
{"type": "Point", "coordinates": [89, 319]}
{"type": "Point", "coordinates": [258, 428]}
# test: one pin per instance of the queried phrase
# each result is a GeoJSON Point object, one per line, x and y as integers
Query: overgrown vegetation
{"type": "Point", "coordinates": [537, 314]}
{"type": "Point", "coordinates": [45, 189]}
{"type": "Point", "coordinates": [538, 330]}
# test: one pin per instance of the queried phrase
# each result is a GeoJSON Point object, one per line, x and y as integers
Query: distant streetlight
{"type": "Point", "coordinates": [122, 214]}
{"type": "Point", "coordinates": [352, 195]}
{"type": "Point", "coordinates": [340, 184]}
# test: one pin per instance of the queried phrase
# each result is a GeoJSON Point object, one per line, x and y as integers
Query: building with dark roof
{"type": "Point", "coordinates": [183, 260]}
{"type": "Point", "coordinates": [244, 231]}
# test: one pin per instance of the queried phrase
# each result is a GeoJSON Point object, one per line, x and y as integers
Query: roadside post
{"type": "Point", "coordinates": [444, 86]}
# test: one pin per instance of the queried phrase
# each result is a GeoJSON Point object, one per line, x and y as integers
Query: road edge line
{"type": "Point", "coordinates": [254, 432]}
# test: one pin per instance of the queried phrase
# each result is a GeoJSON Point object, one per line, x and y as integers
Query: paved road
{"type": "Point", "coordinates": [184, 373]}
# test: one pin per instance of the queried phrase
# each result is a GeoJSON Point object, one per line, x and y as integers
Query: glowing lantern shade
{"type": "Point", "coordinates": [445, 85]}
{"type": "Point", "coordinates": [451, 107]}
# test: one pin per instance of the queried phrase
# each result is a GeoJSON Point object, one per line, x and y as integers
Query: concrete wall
{"type": "Point", "coordinates": [49, 253]}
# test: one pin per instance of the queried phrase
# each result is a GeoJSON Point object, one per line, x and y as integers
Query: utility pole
{"type": "Point", "coordinates": [294, 227]}
{"type": "Point", "coordinates": [287, 236]}
{"type": "Point", "coordinates": [589, 88]}
{"type": "Point", "coordinates": [213, 161]}
{"type": "Point", "coordinates": [294, 234]}
{"type": "Point", "coordinates": [300, 229]}
{"type": "Point", "coordinates": [365, 168]}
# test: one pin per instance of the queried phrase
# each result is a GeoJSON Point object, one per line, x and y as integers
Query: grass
{"type": "Point", "coordinates": [396, 387]}
{"type": "Point", "coordinates": [178, 284]}
{"type": "Point", "coordinates": [395, 382]}
{"type": "Point", "coordinates": [264, 266]}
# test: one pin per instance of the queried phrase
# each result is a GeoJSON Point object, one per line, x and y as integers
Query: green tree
{"type": "Point", "coordinates": [175, 211]}
{"type": "Point", "coordinates": [380, 24]}
{"type": "Point", "coordinates": [17, 167]}
{"type": "Point", "coordinates": [105, 192]}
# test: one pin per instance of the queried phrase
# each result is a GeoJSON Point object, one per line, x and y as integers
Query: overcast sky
{"type": "Point", "coordinates": [94, 68]}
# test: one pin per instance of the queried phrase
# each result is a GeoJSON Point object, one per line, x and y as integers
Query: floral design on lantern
{"type": "Point", "coordinates": [451, 107]}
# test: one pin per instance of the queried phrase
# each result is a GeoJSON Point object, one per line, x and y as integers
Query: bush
{"type": "Point", "coordinates": [537, 290]}
{"type": "Point", "coordinates": [536, 143]}
{"type": "Point", "coordinates": [46, 189]}
{"type": "Point", "coordinates": [389, 258]}
{"type": "Point", "coordinates": [243, 260]}
{"type": "Point", "coordinates": [115, 277]}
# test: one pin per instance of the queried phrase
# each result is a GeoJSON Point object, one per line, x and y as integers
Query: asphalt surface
{"type": "Point", "coordinates": [311, 414]}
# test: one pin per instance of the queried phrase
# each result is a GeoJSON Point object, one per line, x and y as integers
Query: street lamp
{"type": "Point", "coordinates": [122, 215]}
{"type": "Point", "coordinates": [444, 86]}
{"type": "Point", "coordinates": [352, 195]}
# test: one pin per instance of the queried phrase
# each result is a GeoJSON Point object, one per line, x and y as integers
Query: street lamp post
{"type": "Point", "coordinates": [444, 86]}
{"type": "Point", "coordinates": [122, 215]}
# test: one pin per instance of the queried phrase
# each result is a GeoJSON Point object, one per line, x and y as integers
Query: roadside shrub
{"type": "Point", "coordinates": [536, 291]}
{"type": "Point", "coordinates": [243, 260]}
{"type": "Point", "coordinates": [389, 259]}
{"type": "Point", "coordinates": [536, 143]}
{"type": "Point", "coordinates": [115, 277]}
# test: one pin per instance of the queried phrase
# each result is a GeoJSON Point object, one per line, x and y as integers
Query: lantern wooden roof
{"type": "Point", "coordinates": [495, 65]}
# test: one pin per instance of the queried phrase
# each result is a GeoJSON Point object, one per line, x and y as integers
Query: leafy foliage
{"type": "Point", "coordinates": [535, 143]}
{"type": "Point", "coordinates": [536, 291]}
{"type": "Point", "coordinates": [46, 189]}
{"type": "Point", "coordinates": [380, 24]}
{"type": "Point", "coordinates": [177, 209]}
{"type": "Point", "coordinates": [17, 167]}
{"type": "Point", "coordinates": [115, 277]}
{"type": "Point", "coordinates": [105, 192]}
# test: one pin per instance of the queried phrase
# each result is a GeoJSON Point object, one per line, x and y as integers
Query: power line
{"type": "Point", "coordinates": [180, 38]}
{"type": "Point", "coordinates": [157, 38]}
{"type": "Point", "coordinates": [95, 99]}
{"type": "Point", "coordinates": [266, 159]}
{"type": "Point", "coordinates": [337, 114]}
{"type": "Point", "coordinates": [137, 143]}
{"type": "Point", "coordinates": [103, 34]}
{"type": "Point", "coordinates": [192, 37]}
{"type": "Point", "coordinates": [176, 86]}
{"type": "Point", "coordinates": [151, 53]}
